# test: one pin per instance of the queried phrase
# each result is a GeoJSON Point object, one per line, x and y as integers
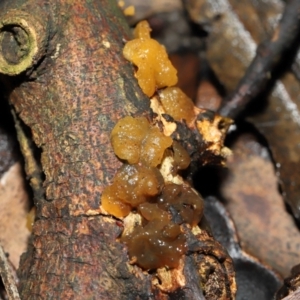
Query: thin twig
{"type": "Point", "coordinates": [7, 277]}
{"type": "Point", "coordinates": [267, 58]}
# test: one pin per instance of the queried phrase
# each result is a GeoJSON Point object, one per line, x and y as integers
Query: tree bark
{"type": "Point", "coordinates": [69, 84]}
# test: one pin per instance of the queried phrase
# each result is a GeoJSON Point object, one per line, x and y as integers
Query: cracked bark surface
{"type": "Point", "coordinates": [66, 99]}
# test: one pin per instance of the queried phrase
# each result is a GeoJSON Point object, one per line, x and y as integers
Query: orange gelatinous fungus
{"type": "Point", "coordinates": [177, 104]}
{"type": "Point", "coordinates": [181, 157]}
{"type": "Point", "coordinates": [185, 200]}
{"type": "Point", "coordinates": [159, 243]}
{"type": "Point", "coordinates": [151, 212]}
{"type": "Point", "coordinates": [154, 69]}
{"type": "Point", "coordinates": [30, 218]}
{"type": "Point", "coordinates": [142, 30]}
{"type": "Point", "coordinates": [127, 136]}
{"type": "Point", "coordinates": [134, 140]}
{"type": "Point", "coordinates": [152, 249]}
{"type": "Point", "coordinates": [129, 11]}
{"type": "Point", "coordinates": [154, 146]}
{"type": "Point", "coordinates": [135, 184]}
{"type": "Point", "coordinates": [112, 204]}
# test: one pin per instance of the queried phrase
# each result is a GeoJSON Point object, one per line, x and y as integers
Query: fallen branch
{"type": "Point", "coordinates": [267, 58]}
{"type": "Point", "coordinates": [73, 73]}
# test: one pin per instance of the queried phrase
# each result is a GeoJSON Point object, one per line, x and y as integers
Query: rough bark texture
{"type": "Point", "coordinates": [73, 89]}
{"type": "Point", "coordinates": [71, 92]}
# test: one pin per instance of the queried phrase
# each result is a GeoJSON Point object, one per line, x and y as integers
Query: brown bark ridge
{"type": "Point", "coordinates": [68, 85]}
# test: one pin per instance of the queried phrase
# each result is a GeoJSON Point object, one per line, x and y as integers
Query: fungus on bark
{"type": "Point", "coordinates": [79, 87]}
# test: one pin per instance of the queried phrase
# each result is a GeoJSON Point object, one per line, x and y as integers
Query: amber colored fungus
{"type": "Point", "coordinates": [177, 104]}
{"type": "Point", "coordinates": [133, 140]}
{"type": "Point", "coordinates": [133, 185]}
{"type": "Point", "coordinates": [181, 157]}
{"type": "Point", "coordinates": [127, 136]}
{"type": "Point", "coordinates": [142, 30]}
{"type": "Point", "coordinates": [154, 146]}
{"type": "Point", "coordinates": [159, 243]}
{"type": "Point", "coordinates": [112, 204]}
{"type": "Point", "coordinates": [129, 11]}
{"type": "Point", "coordinates": [154, 69]}
{"type": "Point", "coordinates": [138, 185]}
{"type": "Point", "coordinates": [187, 203]}
{"type": "Point", "coordinates": [30, 218]}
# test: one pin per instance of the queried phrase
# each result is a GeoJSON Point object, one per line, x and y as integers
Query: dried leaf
{"type": "Point", "coordinates": [207, 96]}
{"type": "Point", "coordinates": [188, 68]}
{"type": "Point", "coordinates": [266, 230]}
{"type": "Point", "coordinates": [13, 213]}
{"type": "Point", "coordinates": [254, 279]}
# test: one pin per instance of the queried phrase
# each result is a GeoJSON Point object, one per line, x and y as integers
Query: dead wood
{"type": "Point", "coordinates": [68, 84]}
